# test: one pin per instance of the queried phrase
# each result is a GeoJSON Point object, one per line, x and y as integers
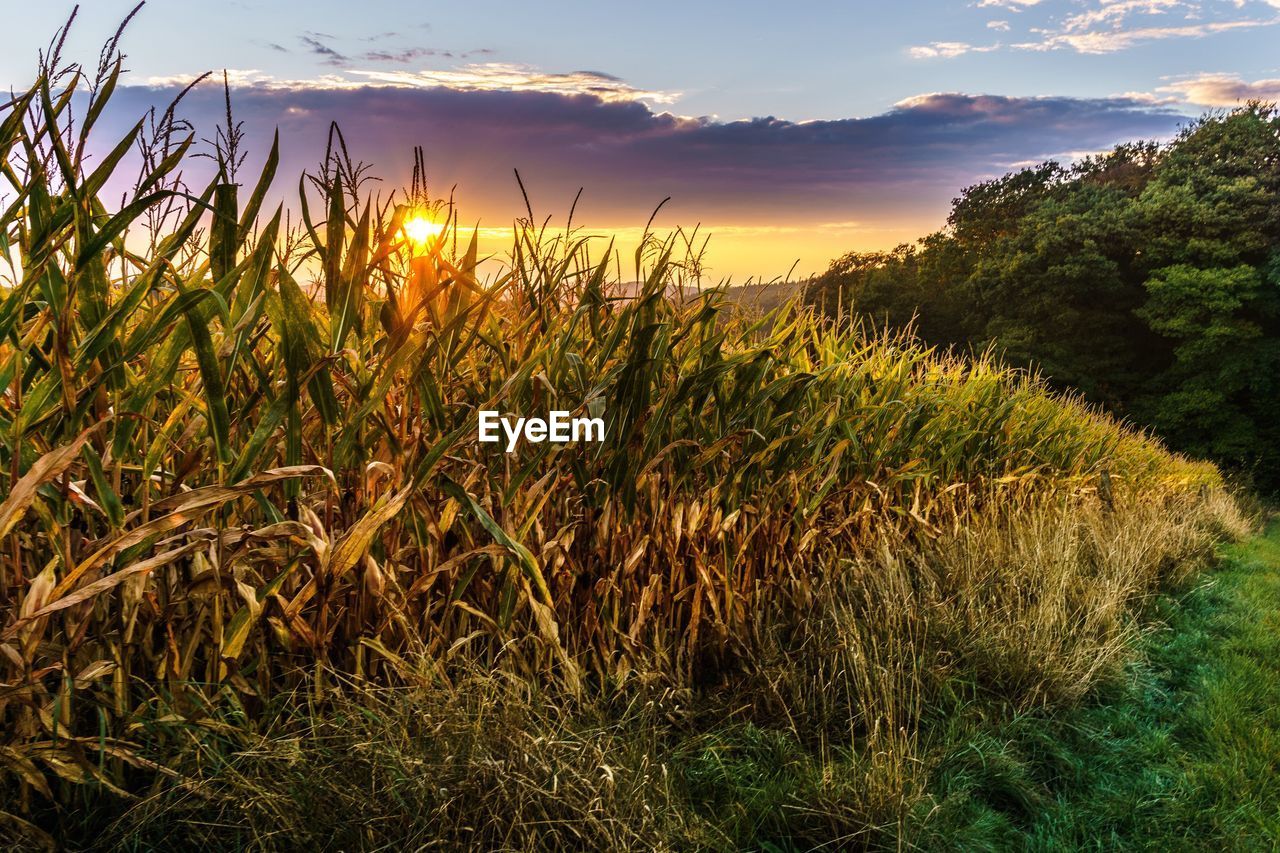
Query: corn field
{"type": "Point", "coordinates": [238, 445]}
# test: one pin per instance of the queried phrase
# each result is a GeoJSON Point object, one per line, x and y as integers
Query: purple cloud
{"type": "Point", "coordinates": [906, 163]}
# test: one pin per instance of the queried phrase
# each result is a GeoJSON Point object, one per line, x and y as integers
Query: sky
{"type": "Point", "coordinates": [791, 133]}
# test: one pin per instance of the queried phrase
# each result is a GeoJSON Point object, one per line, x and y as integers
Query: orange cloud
{"type": "Point", "coordinates": [1222, 90]}
{"type": "Point", "coordinates": [474, 77]}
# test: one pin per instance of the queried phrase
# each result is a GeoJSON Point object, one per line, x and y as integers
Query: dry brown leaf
{"type": "Point", "coordinates": [45, 469]}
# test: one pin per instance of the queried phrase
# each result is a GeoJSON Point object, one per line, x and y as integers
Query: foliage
{"type": "Point", "coordinates": [1148, 278]}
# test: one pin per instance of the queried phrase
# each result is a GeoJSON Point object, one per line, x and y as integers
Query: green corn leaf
{"type": "Point", "coordinates": [223, 233]}
{"type": "Point", "coordinates": [302, 354]}
{"type": "Point", "coordinates": [100, 175]}
{"type": "Point", "coordinates": [345, 312]}
{"type": "Point", "coordinates": [107, 498]}
{"type": "Point", "coordinates": [117, 224]}
{"type": "Point", "coordinates": [523, 558]}
{"type": "Point", "coordinates": [211, 378]}
{"type": "Point", "coordinates": [250, 214]}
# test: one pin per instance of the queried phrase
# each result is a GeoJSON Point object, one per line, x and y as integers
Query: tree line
{"type": "Point", "coordinates": [1148, 278]}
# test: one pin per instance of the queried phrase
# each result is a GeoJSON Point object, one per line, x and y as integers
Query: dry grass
{"type": "Point", "coordinates": [485, 766]}
{"type": "Point", "coordinates": [1027, 609]}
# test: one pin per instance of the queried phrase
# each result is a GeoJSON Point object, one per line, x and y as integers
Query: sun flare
{"type": "Point", "coordinates": [421, 230]}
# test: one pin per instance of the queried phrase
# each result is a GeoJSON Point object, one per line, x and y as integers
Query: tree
{"type": "Point", "coordinates": [1147, 277]}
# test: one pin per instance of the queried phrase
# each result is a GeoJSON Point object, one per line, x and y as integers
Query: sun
{"type": "Point", "coordinates": [420, 229]}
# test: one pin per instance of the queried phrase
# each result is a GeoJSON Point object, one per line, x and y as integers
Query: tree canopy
{"type": "Point", "coordinates": [1148, 278]}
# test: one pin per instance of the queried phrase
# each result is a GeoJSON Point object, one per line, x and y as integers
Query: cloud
{"type": "Point", "coordinates": [473, 77]}
{"type": "Point", "coordinates": [1011, 5]}
{"type": "Point", "coordinates": [409, 54]}
{"type": "Point", "coordinates": [1111, 41]}
{"type": "Point", "coordinates": [1113, 12]}
{"type": "Point", "coordinates": [948, 50]}
{"type": "Point", "coordinates": [1109, 26]}
{"type": "Point", "coordinates": [314, 43]}
{"type": "Point", "coordinates": [507, 77]}
{"type": "Point", "coordinates": [235, 77]}
{"type": "Point", "coordinates": [403, 55]}
{"type": "Point", "coordinates": [1221, 90]}
{"type": "Point", "coordinates": [907, 162]}
{"type": "Point", "coordinates": [320, 44]}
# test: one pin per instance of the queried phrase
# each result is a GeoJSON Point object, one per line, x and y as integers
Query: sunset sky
{"type": "Point", "coordinates": [789, 131]}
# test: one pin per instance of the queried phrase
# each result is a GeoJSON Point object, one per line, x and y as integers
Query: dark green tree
{"type": "Point", "coordinates": [1147, 277]}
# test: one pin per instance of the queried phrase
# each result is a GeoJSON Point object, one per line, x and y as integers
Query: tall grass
{"type": "Point", "coordinates": [223, 481]}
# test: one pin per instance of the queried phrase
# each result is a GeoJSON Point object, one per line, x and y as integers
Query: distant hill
{"type": "Point", "coordinates": [755, 298]}
{"type": "Point", "coordinates": [765, 296]}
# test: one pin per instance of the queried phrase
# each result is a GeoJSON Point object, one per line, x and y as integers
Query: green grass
{"type": "Point", "coordinates": [1184, 755]}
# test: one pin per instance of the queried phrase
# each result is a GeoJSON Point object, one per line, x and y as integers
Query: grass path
{"type": "Point", "coordinates": [1185, 755]}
